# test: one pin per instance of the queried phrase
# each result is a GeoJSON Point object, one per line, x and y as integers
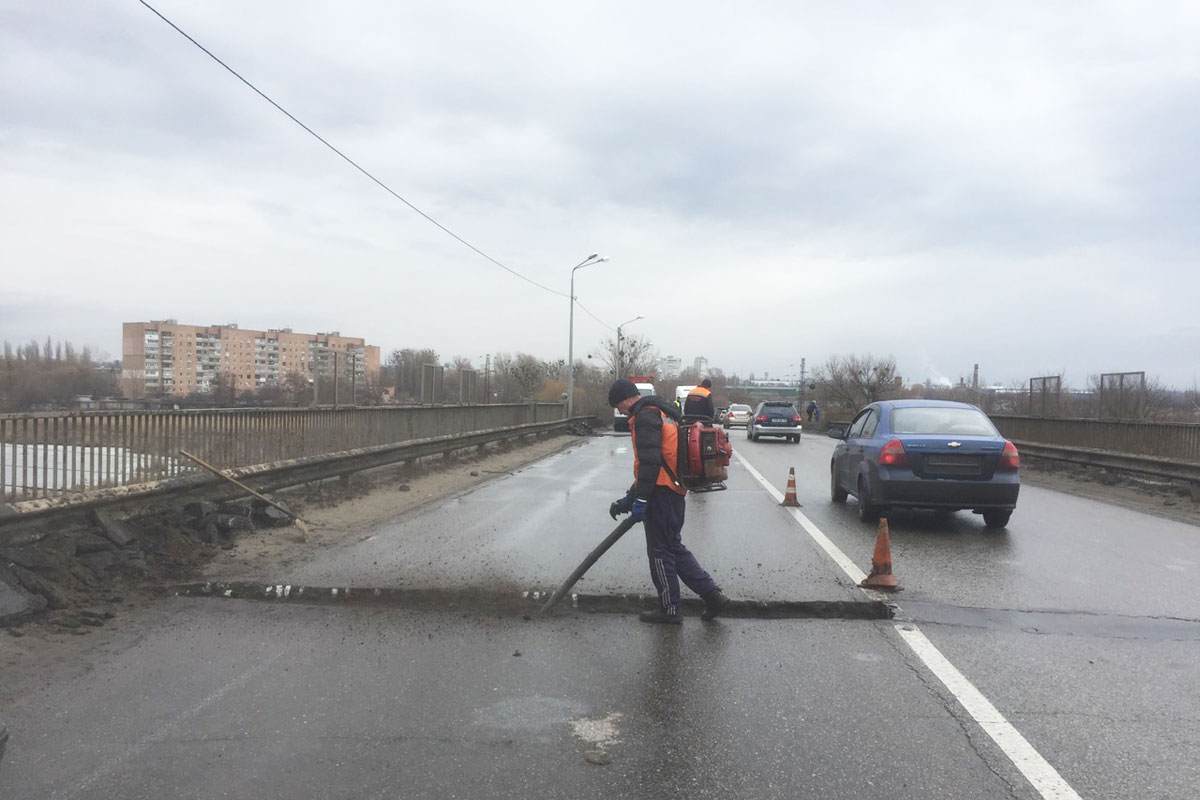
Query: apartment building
{"type": "Point", "coordinates": [162, 357]}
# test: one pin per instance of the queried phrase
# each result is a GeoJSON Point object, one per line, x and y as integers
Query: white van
{"type": "Point", "coordinates": [681, 393]}
{"type": "Point", "coordinates": [620, 421]}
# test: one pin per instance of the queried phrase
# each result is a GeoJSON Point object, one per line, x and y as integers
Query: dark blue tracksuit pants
{"type": "Point", "coordinates": [670, 561]}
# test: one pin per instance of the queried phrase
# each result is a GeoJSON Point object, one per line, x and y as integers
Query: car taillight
{"type": "Point", "coordinates": [795, 417]}
{"type": "Point", "coordinates": [1009, 457]}
{"type": "Point", "coordinates": [893, 454]}
{"type": "Point", "coordinates": [761, 418]}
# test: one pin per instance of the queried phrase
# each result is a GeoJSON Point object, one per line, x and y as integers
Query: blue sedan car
{"type": "Point", "coordinates": [925, 454]}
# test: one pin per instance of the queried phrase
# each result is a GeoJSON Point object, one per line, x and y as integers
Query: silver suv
{"type": "Point", "coordinates": [775, 418]}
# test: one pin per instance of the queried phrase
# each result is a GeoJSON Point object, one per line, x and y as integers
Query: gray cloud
{"type": "Point", "coordinates": [944, 183]}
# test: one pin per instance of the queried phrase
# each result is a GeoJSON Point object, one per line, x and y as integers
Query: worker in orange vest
{"type": "Point", "coordinates": [699, 401]}
{"type": "Point", "coordinates": [657, 499]}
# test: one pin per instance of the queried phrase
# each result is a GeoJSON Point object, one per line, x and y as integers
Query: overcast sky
{"type": "Point", "coordinates": [1010, 184]}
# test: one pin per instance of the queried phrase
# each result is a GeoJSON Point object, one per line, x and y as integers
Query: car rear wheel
{"type": "Point", "coordinates": [836, 493]}
{"type": "Point", "coordinates": [867, 512]}
{"type": "Point", "coordinates": [996, 519]}
{"type": "Point", "coordinates": [795, 439]}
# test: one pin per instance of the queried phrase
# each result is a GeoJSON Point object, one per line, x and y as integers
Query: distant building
{"type": "Point", "coordinates": [162, 357]}
{"type": "Point", "coordinates": [671, 367]}
{"type": "Point", "coordinates": [700, 364]}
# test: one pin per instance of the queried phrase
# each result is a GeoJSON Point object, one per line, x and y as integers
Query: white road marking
{"type": "Point", "coordinates": [831, 549]}
{"type": "Point", "coordinates": [1039, 772]}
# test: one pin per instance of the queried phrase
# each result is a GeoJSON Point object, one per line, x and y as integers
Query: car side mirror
{"type": "Point", "coordinates": [836, 432]}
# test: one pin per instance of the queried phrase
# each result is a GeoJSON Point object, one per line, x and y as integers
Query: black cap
{"type": "Point", "coordinates": [621, 389]}
{"type": "Point", "coordinates": [706, 383]}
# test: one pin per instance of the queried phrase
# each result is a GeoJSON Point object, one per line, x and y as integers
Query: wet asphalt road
{"type": "Point", "coordinates": [1076, 623]}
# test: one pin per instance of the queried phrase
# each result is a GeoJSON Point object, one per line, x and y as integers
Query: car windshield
{"type": "Point", "coordinates": [942, 420]}
{"type": "Point", "coordinates": [739, 409]}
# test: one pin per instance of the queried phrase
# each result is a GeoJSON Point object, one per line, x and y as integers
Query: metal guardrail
{"type": "Point", "coordinates": [1120, 462]}
{"type": "Point", "coordinates": [1173, 441]}
{"type": "Point", "coordinates": [262, 477]}
{"type": "Point", "coordinates": [48, 454]}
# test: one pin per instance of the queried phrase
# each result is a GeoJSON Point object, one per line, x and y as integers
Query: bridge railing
{"type": "Point", "coordinates": [48, 454]}
{"type": "Point", "coordinates": [1175, 441]}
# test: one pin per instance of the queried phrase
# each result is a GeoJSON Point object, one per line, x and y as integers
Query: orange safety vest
{"type": "Point", "coordinates": [670, 453]}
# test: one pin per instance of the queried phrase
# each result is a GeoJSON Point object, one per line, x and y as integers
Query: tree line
{"type": "Point", "coordinates": [846, 383]}
{"type": "Point", "coordinates": [51, 375]}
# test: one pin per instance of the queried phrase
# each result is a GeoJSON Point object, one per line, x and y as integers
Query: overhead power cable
{"type": "Point", "coordinates": [347, 158]}
{"type": "Point", "coordinates": [593, 316]}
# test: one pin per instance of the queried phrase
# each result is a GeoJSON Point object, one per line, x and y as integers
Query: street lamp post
{"type": "Point", "coordinates": [617, 360]}
{"type": "Point", "coordinates": [594, 258]}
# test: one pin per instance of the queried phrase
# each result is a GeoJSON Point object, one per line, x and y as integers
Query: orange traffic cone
{"type": "Point", "coordinates": [881, 576]}
{"type": "Point", "coordinates": [789, 496]}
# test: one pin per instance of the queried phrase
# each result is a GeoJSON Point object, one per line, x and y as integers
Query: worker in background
{"type": "Point", "coordinates": [699, 401]}
{"type": "Point", "coordinates": [657, 500]}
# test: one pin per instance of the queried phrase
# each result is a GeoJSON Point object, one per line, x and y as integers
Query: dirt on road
{"type": "Point", "coordinates": [1147, 494]}
{"type": "Point", "coordinates": [337, 512]}
{"type": "Point", "coordinates": [92, 612]}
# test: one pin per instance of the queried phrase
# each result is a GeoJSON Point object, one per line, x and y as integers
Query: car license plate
{"type": "Point", "coordinates": [963, 465]}
{"type": "Point", "coordinates": [951, 459]}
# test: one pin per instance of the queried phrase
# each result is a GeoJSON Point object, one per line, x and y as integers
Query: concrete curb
{"type": "Point", "coordinates": [525, 604]}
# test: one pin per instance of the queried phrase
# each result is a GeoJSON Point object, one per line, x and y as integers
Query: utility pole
{"type": "Point", "coordinates": [317, 377]}
{"type": "Point", "coordinates": [617, 359]}
{"type": "Point", "coordinates": [487, 376]}
{"type": "Point", "coordinates": [335, 379]}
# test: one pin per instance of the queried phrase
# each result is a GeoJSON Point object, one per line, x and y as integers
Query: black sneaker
{"type": "Point", "coordinates": [714, 604]}
{"type": "Point", "coordinates": [661, 617]}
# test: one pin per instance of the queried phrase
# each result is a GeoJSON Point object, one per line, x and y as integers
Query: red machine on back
{"type": "Point", "coordinates": [704, 452]}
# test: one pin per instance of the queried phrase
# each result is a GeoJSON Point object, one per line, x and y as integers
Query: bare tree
{"type": "Point", "coordinates": [637, 356]}
{"type": "Point", "coordinates": [404, 371]}
{"type": "Point", "coordinates": [850, 382]}
{"type": "Point", "coordinates": [28, 379]}
{"type": "Point", "coordinates": [224, 390]}
{"type": "Point", "coordinates": [519, 378]}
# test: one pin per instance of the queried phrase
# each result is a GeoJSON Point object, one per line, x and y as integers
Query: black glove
{"type": "Point", "coordinates": [622, 506]}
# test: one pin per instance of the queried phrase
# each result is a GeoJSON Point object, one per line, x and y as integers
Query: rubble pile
{"type": "Point", "coordinates": [580, 428]}
{"type": "Point", "coordinates": [79, 566]}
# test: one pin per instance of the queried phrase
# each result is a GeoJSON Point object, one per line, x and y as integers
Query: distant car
{"type": "Point", "coordinates": [925, 454]}
{"type": "Point", "coordinates": [738, 414]}
{"type": "Point", "coordinates": [774, 418]}
{"type": "Point", "coordinates": [721, 412]}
